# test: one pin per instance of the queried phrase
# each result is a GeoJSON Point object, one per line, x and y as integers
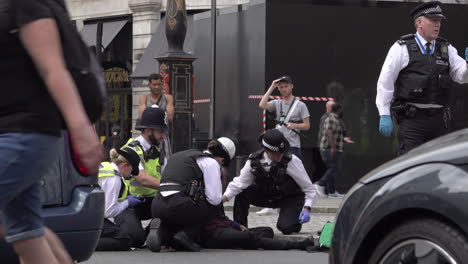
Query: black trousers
{"type": "Point", "coordinates": [290, 208]}
{"type": "Point", "coordinates": [252, 238]}
{"type": "Point", "coordinates": [178, 212]}
{"type": "Point", "coordinates": [424, 126]}
{"type": "Point", "coordinates": [125, 233]}
{"type": "Point", "coordinates": [143, 210]}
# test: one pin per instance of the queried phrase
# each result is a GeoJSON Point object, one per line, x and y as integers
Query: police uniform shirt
{"type": "Point", "coordinates": [295, 169]}
{"type": "Point", "coordinates": [397, 59]}
{"type": "Point", "coordinates": [111, 187]}
{"type": "Point", "coordinates": [146, 145]}
{"type": "Point", "coordinates": [212, 178]}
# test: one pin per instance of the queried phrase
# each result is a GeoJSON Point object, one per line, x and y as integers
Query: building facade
{"type": "Point", "coordinates": [127, 28]}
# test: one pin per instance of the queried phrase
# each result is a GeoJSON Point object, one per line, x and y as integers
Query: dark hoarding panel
{"type": "Point", "coordinates": [337, 50]}
{"type": "Point", "coordinates": [240, 72]}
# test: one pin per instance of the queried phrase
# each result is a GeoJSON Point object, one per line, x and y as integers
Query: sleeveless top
{"type": "Point", "coordinates": [162, 102]}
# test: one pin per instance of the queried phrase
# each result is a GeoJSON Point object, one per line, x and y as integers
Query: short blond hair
{"type": "Point", "coordinates": [116, 158]}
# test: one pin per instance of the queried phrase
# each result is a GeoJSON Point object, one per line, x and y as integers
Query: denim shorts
{"type": "Point", "coordinates": [24, 159]}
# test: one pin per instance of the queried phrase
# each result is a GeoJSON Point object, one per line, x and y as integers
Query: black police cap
{"type": "Point", "coordinates": [132, 157]}
{"type": "Point", "coordinates": [274, 141]}
{"type": "Point", "coordinates": [432, 8]}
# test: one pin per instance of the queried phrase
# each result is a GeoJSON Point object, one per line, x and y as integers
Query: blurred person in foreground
{"type": "Point", "coordinates": [41, 96]}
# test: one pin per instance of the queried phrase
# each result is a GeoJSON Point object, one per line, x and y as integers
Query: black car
{"type": "Point", "coordinates": [73, 206]}
{"type": "Point", "coordinates": [413, 209]}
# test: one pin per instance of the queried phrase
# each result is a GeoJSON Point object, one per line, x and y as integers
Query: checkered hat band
{"type": "Point", "coordinates": [270, 147]}
{"type": "Point", "coordinates": [429, 11]}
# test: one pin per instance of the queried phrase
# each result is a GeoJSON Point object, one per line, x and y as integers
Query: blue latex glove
{"type": "Point", "coordinates": [133, 201]}
{"type": "Point", "coordinates": [466, 53]}
{"type": "Point", "coordinates": [304, 217]}
{"type": "Point", "coordinates": [386, 125]}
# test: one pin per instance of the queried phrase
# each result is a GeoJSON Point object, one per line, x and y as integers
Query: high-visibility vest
{"type": "Point", "coordinates": [106, 170]}
{"type": "Point", "coordinates": [152, 168]}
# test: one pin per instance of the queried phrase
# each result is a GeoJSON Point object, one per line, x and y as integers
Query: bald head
{"type": "Point", "coordinates": [328, 106]}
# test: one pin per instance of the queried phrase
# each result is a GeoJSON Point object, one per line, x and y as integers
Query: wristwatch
{"type": "Point", "coordinates": [307, 208]}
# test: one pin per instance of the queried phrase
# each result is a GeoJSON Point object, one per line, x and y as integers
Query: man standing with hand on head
{"type": "Point", "coordinates": [291, 113]}
{"type": "Point", "coordinates": [415, 80]}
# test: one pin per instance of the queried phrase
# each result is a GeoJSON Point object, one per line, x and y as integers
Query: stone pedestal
{"type": "Point", "coordinates": [146, 18]}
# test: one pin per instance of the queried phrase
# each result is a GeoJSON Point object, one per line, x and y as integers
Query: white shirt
{"type": "Point", "coordinates": [295, 169]}
{"type": "Point", "coordinates": [212, 178]}
{"type": "Point", "coordinates": [111, 187]}
{"type": "Point", "coordinates": [397, 59]}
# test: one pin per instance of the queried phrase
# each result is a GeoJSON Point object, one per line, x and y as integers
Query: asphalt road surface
{"type": "Point", "coordinates": [209, 256]}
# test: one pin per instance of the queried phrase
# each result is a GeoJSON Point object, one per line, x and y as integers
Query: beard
{"type": "Point", "coordinates": [153, 140]}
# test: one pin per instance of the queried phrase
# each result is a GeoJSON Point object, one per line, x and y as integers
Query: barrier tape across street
{"type": "Point", "coordinates": [302, 98]}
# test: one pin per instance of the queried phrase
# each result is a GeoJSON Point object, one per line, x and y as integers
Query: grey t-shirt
{"type": "Point", "coordinates": [297, 115]}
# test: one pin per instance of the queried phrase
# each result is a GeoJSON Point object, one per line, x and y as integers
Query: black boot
{"type": "Point", "coordinates": [305, 244]}
{"type": "Point", "coordinates": [183, 242]}
{"type": "Point", "coordinates": [153, 240]}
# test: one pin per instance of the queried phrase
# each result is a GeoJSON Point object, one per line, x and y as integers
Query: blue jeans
{"type": "Point", "coordinates": [333, 163]}
{"type": "Point", "coordinates": [24, 159]}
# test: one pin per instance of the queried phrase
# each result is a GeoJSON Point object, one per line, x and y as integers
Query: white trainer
{"type": "Point", "coordinates": [320, 190]}
{"type": "Point", "coordinates": [266, 211]}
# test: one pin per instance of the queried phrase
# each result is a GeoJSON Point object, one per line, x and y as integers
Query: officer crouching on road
{"type": "Point", "coordinates": [273, 178]}
{"type": "Point", "coordinates": [191, 188]}
{"type": "Point", "coordinates": [126, 230]}
{"type": "Point", "coordinates": [150, 149]}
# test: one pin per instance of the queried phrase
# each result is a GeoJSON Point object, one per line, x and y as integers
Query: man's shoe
{"type": "Point", "coordinates": [153, 240]}
{"type": "Point", "coordinates": [266, 211]}
{"type": "Point", "coordinates": [306, 243]}
{"type": "Point", "coordinates": [335, 195]}
{"type": "Point", "coordinates": [320, 190]}
{"type": "Point", "coordinates": [183, 242]}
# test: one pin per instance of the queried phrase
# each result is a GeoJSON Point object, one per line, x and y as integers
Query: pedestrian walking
{"type": "Point", "coordinates": [331, 151]}
{"type": "Point", "coordinates": [42, 98]}
{"type": "Point", "coordinates": [150, 148]}
{"type": "Point", "coordinates": [191, 188]}
{"type": "Point", "coordinates": [274, 178]}
{"type": "Point", "coordinates": [415, 81]}
{"type": "Point", "coordinates": [122, 229]}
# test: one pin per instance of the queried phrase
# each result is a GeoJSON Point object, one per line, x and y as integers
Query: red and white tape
{"type": "Point", "coordinates": [302, 98]}
{"type": "Point", "coordinates": [201, 101]}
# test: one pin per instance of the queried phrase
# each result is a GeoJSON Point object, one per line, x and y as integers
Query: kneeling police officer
{"type": "Point", "coordinates": [190, 190]}
{"type": "Point", "coordinates": [122, 229]}
{"type": "Point", "coordinates": [274, 178]}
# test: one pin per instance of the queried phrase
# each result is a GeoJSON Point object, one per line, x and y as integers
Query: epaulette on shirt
{"type": "Point", "coordinates": [403, 39]}
{"type": "Point", "coordinates": [442, 40]}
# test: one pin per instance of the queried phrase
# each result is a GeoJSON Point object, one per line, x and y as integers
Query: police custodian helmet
{"type": "Point", "coordinates": [152, 117]}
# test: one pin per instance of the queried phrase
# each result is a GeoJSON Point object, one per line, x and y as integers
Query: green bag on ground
{"type": "Point", "coordinates": [326, 235]}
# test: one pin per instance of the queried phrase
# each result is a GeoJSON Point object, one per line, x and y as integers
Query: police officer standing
{"type": "Point", "coordinates": [150, 149]}
{"type": "Point", "coordinates": [125, 231]}
{"type": "Point", "coordinates": [191, 188]}
{"type": "Point", "coordinates": [415, 80]}
{"type": "Point", "coordinates": [272, 177]}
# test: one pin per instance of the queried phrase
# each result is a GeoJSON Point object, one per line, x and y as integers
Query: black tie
{"type": "Point", "coordinates": [428, 48]}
